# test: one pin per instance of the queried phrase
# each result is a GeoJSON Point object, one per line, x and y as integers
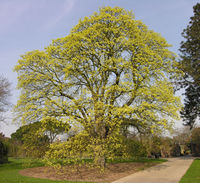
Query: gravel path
{"type": "Point", "coordinates": [168, 172]}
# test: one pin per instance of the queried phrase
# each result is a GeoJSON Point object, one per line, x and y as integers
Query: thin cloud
{"type": "Point", "coordinates": [25, 15]}
{"type": "Point", "coordinates": [11, 11]}
{"type": "Point", "coordinates": [67, 7]}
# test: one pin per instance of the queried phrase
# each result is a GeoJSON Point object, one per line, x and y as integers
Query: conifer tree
{"type": "Point", "coordinates": [190, 64]}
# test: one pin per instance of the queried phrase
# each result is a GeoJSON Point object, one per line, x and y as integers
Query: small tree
{"type": "Point", "coordinates": [108, 70]}
{"type": "Point", "coordinates": [4, 95]}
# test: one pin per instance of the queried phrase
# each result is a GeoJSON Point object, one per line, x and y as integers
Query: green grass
{"type": "Point", "coordinates": [9, 172]}
{"type": "Point", "coordinates": [193, 173]}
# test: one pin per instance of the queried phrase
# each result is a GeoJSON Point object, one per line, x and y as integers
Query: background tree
{"type": "Point", "coordinates": [48, 127]}
{"type": "Point", "coordinates": [195, 137]}
{"type": "Point", "coordinates": [4, 95]}
{"type": "Point", "coordinates": [108, 70]}
{"type": "Point", "coordinates": [37, 136]}
{"type": "Point", "coordinates": [195, 142]}
{"type": "Point", "coordinates": [3, 149]}
{"type": "Point", "coordinates": [190, 64]}
{"type": "Point", "coordinates": [182, 135]}
{"type": "Point", "coordinates": [51, 127]}
{"type": "Point", "coordinates": [33, 142]}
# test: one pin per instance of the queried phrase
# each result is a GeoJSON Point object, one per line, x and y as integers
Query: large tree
{"type": "Point", "coordinates": [109, 71]}
{"type": "Point", "coordinates": [190, 64]}
{"type": "Point", "coordinates": [4, 96]}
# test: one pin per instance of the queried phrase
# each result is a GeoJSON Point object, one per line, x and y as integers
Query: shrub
{"type": "Point", "coordinates": [175, 150]}
{"type": "Point", "coordinates": [3, 153]}
{"type": "Point", "coordinates": [134, 148]}
{"type": "Point", "coordinates": [195, 142]}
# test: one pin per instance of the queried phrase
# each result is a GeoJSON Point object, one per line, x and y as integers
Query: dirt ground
{"type": "Point", "coordinates": [111, 173]}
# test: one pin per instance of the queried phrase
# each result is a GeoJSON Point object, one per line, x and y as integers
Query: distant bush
{"type": "Point", "coordinates": [166, 146]}
{"type": "Point", "coordinates": [3, 153]}
{"type": "Point", "coordinates": [175, 150]}
{"type": "Point", "coordinates": [195, 142]}
{"type": "Point", "coordinates": [158, 146]}
{"type": "Point", "coordinates": [134, 148]}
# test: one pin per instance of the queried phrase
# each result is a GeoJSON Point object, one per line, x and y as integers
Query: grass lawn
{"type": "Point", "coordinates": [9, 172]}
{"type": "Point", "coordinates": [193, 173]}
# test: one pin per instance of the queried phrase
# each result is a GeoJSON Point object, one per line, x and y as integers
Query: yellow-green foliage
{"type": "Point", "coordinates": [109, 68]}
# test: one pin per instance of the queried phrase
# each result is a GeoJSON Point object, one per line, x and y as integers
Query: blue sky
{"type": "Point", "coordinates": [26, 25]}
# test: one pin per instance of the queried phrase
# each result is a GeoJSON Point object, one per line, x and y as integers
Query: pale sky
{"type": "Point", "coordinates": [26, 25]}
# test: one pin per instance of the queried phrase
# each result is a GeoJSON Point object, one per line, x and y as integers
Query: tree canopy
{"type": "Point", "coordinates": [190, 64]}
{"type": "Point", "coordinates": [108, 71]}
